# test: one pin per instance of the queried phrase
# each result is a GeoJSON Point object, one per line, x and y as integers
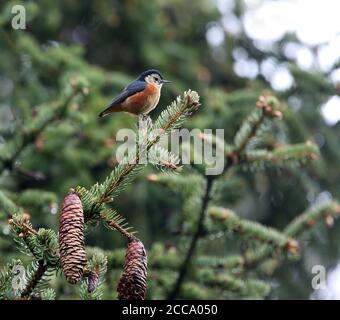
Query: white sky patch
{"type": "Point", "coordinates": [329, 54]}
{"type": "Point", "coordinates": [246, 68]}
{"type": "Point", "coordinates": [231, 24]}
{"type": "Point", "coordinates": [281, 79]}
{"type": "Point", "coordinates": [335, 76]}
{"type": "Point", "coordinates": [331, 110]}
{"type": "Point", "coordinates": [215, 35]}
{"type": "Point", "coordinates": [304, 58]}
{"type": "Point", "coordinates": [240, 53]}
{"type": "Point", "coordinates": [271, 20]}
{"type": "Point", "coordinates": [313, 21]}
{"type": "Point", "coordinates": [268, 67]}
{"type": "Point", "coordinates": [318, 20]}
{"type": "Point", "coordinates": [225, 6]}
{"type": "Point", "coordinates": [290, 49]}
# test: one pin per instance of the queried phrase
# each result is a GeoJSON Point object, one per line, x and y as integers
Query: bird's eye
{"type": "Point", "coordinates": [157, 79]}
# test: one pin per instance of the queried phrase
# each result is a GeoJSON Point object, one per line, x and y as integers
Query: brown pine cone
{"type": "Point", "coordinates": [93, 279]}
{"type": "Point", "coordinates": [71, 238]}
{"type": "Point", "coordinates": [132, 284]}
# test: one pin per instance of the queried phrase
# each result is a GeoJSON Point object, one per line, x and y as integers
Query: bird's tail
{"type": "Point", "coordinates": [105, 112]}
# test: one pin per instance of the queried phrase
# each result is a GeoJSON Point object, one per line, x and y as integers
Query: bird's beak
{"type": "Point", "coordinates": [166, 81]}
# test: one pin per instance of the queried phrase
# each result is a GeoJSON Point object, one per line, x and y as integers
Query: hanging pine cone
{"type": "Point", "coordinates": [93, 279]}
{"type": "Point", "coordinates": [71, 238]}
{"type": "Point", "coordinates": [132, 284]}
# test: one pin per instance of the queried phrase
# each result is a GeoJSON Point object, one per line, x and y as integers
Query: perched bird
{"type": "Point", "coordinates": [140, 96]}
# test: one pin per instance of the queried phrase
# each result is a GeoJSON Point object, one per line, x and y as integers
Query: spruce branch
{"type": "Point", "coordinates": [183, 184]}
{"type": "Point", "coordinates": [195, 291]}
{"type": "Point", "coordinates": [108, 216]}
{"type": "Point", "coordinates": [7, 205]}
{"type": "Point", "coordinates": [191, 189]}
{"type": "Point", "coordinates": [169, 259]}
{"type": "Point", "coordinates": [267, 107]}
{"type": "Point", "coordinates": [174, 115]}
{"type": "Point", "coordinates": [6, 275]}
{"type": "Point", "coordinates": [41, 244]}
{"type": "Point", "coordinates": [114, 221]}
{"type": "Point", "coordinates": [34, 279]}
{"type": "Point", "coordinates": [192, 246]}
{"type": "Point", "coordinates": [282, 156]}
{"type": "Point", "coordinates": [164, 279]}
{"type": "Point", "coordinates": [30, 134]}
{"type": "Point", "coordinates": [216, 142]}
{"type": "Point", "coordinates": [91, 287]}
{"type": "Point", "coordinates": [250, 230]}
{"type": "Point", "coordinates": [95, 199]}
{"type": "Point", "coordinates": [163, 159]}
{"type": "Point", "coordinates": [310, 217]}
{"type": "Point", "coordinates": [245, 288]}
{"type": "Point", "coordinates": [169, 119]}
{"type": "Point", "coordinates": [48, 294]}
{"type": "Point", "coordinates": [302, 223]}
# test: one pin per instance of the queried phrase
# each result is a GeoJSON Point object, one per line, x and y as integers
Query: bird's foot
{"type": "Point", "coordinates": [145, 117]}
{"type": "Point", "coordinates": [144, 120]}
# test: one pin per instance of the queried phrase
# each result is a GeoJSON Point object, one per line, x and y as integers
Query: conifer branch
{"type": "Point", "coordinates": [268, 107]}
{"type": "Point", "coordinates": [7, 204]}
{"type": "Point", "coordinates": [186, 262]}
{"type": "Point", "coordinates": [169, 119]}
{"type": "Point", "coordinates": [30, 134]}
{"type": "Point", "coordinates": [6, 279]}
{"type": "Point", "coordinates": [250, 230]}
{"type": "Point", "coordinates": [91, 288]}
{"type": "Point", "coordinates": [161, 259]}
{"type": "Point", "coordinates": [299, 225]}
{"type": "Point", "coordinates": [190, 289]}
{"type": "Point", "coordinates": [34, 280]}
{"type": "Point", "coordinates": [310, 217]}
{"type": "Point", "coordinates": [41, 244]}
{"type": "Point", "coordinates": [120, 228]}
{"type": "Point", "coordinates": [226, 281]}
{"type": "Point", "coordinates": [281, 156]}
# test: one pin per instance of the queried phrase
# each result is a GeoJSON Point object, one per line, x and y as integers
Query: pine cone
{"type": "Point", "coordinates": [71, 238]}
{"type": "Point", "coordinates": [93, 279]}
{"type": "Point", "coordinates": [132, 284]}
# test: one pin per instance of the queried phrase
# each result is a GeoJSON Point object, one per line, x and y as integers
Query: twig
{"type": "Point", "coordinates": [106, 195]}
{"type": "Point", "coordinates": [123, 231]}
{"type": "Point", "coordinates": [184, 267]}
{"type": "Point", "coordinates": [303, 221]}
{"type": "Point", "coordinates": [235, 155]}
{"type": "Point", "coordinates": [42, 268]}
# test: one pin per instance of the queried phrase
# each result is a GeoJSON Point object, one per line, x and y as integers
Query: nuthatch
{"type": "Point", "coordinates": [140, 96]}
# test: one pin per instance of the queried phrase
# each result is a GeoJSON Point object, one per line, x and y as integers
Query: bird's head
{"type": "Point", "coordinates": [153, 76]}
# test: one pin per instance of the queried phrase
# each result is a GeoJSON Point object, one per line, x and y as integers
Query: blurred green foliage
{"type": "Point", "coordinates": [109, 43]}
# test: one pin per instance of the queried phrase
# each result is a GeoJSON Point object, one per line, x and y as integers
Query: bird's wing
{"type": "Point", "coordinates": [131, 89]}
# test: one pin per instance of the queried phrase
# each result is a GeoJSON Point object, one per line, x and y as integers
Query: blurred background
{"type": "Point", "coordinates": [227, 50]}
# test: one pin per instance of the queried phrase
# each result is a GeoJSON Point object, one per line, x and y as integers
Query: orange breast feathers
{"type": "Point", "coordinates": [140, 102]}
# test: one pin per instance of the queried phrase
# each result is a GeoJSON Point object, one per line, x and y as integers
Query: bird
{"type": "Point", "coordinates": [140, 96]}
